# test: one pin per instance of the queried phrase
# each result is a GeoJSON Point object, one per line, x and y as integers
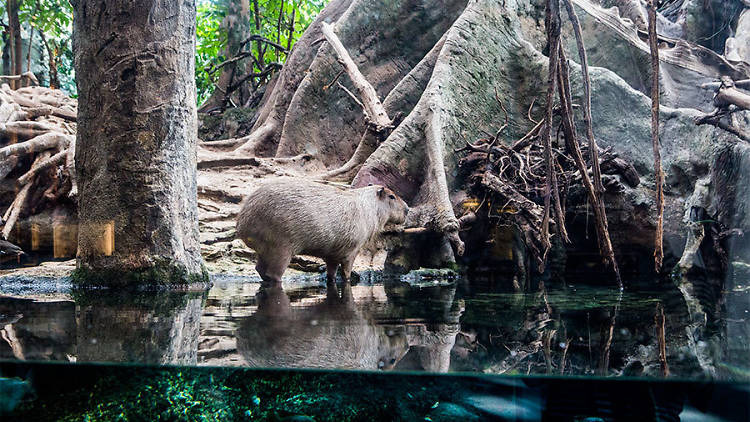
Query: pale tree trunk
{"type": "Point", "coordinates": [135, 151]}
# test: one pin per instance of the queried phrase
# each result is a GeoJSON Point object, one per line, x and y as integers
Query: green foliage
{"type": "Point", "coordinates": [55, 17]}
{"type": "Point", "coordinates": [212, 35]}
{"type": "Point", "coordinates": [210, 41]}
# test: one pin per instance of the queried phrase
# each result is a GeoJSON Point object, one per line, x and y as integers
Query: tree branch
{"type": "Point", "coordinates": [374, 111]}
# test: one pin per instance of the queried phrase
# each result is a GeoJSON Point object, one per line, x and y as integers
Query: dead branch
{"type": "Point", "coordinates": [658, 173]}
{"type": "Point", "coordinates": [28, 76]}
{"type": "Point", "coordinates": [43, 119]}
{"type": "Point", "coordinates": [11, 215]}
{"type": "Point", "coordinates": [714, 86]}
{"type": "Point", "coordinates": [605, 244]}
{"type": "Point", "coordinates": [729, 95]}
{"type": "Point", "coordinates": [715, 120]}
{"type": "Point", "coordinates": [40, 143]}
{"type": "Point", "coordinates": [55, 160]}
{"type": "Point", "coordinates": [375, 113]}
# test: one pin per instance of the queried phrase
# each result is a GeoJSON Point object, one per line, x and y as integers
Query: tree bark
{"type": "Point", "coordinates": [6, 50]}
{"type": "Point", "coordinates": [135, 152]}
{"type": "Point", "coordinates": [15, 39]}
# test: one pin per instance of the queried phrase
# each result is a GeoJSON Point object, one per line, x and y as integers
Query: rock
{"type": "Point", "coordinates": [516, 409]}
{"type": "Point", "coordinates": [445, 412]}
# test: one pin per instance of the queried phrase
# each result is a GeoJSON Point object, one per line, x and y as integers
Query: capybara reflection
{"type": "Point", "coordinates": [334, 333]}
{"type": "Point", "coordinates": [287, 216]}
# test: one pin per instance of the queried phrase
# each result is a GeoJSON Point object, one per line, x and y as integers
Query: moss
{"type": "Point", "coordinates": [164, 272]}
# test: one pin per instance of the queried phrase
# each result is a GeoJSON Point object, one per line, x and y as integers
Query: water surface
{"type": "Point", "coordinates": [399, 323]}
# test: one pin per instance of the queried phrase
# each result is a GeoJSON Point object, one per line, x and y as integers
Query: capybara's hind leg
{"type": "Point", "coordinates": [331, 267]}
{"type": "Point", "coordinates": [273, 266]}
{"type": "Point", "coordinates": [346, 268]}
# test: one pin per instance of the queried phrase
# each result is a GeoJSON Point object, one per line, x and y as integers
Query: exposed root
{"type": "Point", "coordinates": [42, 119]}
{"type": "Point", "coordinates": [258, 141]}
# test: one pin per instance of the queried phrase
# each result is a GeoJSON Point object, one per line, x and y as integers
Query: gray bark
{"type": "Point", "coordinates": [135, 150]}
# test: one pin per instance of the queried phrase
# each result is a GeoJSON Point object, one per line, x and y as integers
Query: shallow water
{"type": "Point", "coordinates": [406, 323]}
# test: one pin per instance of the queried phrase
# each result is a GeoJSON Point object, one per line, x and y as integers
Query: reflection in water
{"type": "Point", "coordinates": [433, 325]}
{"type": "Point", "coordinates": [37, 329]}
{"type": "Point", "coordinates": [158, 328]}
{"type": "Point", "coordinates": [334, 333]}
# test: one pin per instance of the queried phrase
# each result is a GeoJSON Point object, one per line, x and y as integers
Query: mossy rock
{"type": "Point", "coordinates": [163, 273]}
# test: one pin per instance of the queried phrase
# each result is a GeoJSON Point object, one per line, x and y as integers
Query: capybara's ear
{"type": "Point", "coordinates": [381, 192]}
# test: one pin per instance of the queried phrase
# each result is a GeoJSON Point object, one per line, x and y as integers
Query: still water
{"type": "Point", "coordinates": [432, 324]}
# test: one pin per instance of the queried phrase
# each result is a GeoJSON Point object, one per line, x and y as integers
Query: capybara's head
{"type": "Point", "coordinates": [394, 206]}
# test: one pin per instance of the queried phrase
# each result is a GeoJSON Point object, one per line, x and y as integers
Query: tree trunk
{"type": "Point", "coordinates": [135, 150]}
{"type": "Point", "coordinates": [6, 50]}
{"type": "Point", "coordinates": [15, 39]}
{"type": "Point", "coordinates": [54, 81]}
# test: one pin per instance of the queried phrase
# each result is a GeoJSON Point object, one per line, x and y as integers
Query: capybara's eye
{"type": "Point", "coordinates": [392, 196]}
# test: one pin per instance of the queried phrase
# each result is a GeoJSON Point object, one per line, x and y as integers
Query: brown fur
{"type": "Point", "coordinates": [286, 217]}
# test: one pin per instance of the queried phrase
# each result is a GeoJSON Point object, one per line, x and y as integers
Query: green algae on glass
{"type": "Point", "coordinates": [164, 272]}
{"type": "Point", "coordinates": [220, 394]}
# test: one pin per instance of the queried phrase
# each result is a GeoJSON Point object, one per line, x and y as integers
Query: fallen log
{"type": "Point", "coordinates": [40, 143]}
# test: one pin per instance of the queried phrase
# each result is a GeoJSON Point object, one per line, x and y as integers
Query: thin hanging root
{"type": "Point", "coordinates": [658, 173]}
{"type": "Point", "coordinates": [660, 322]}
{"type": "Point", "coordinates": [553, 38]}
{"type": "Point", "coordinates": [602, 231]}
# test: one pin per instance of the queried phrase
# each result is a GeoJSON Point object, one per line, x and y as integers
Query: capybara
{"type": "Point", "coordinates": [287, 216]}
